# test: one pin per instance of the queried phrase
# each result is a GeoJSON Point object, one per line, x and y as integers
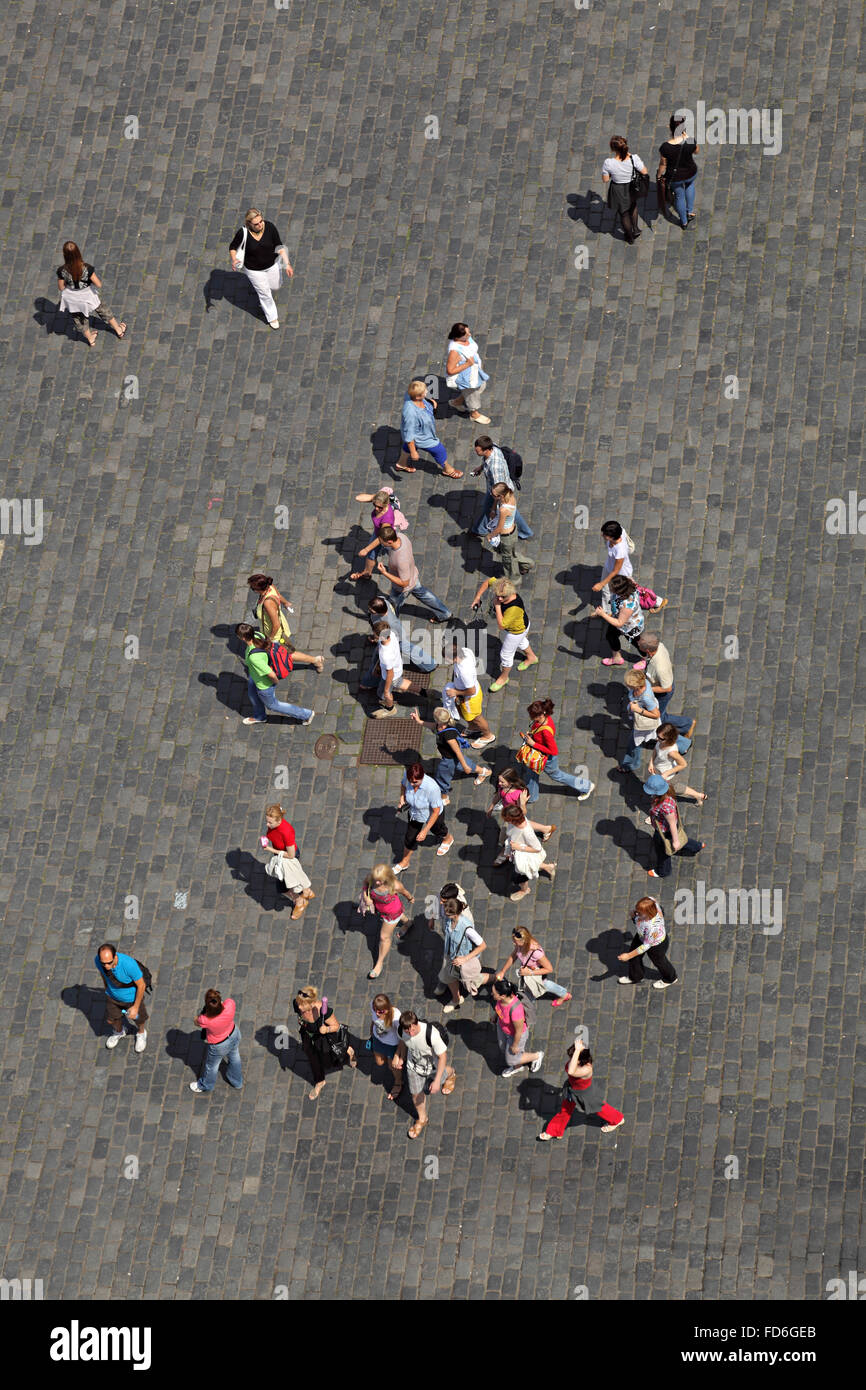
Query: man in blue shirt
{"type": "Point", "coordinates": [124, 988]}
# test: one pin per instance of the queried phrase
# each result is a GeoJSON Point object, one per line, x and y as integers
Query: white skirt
{"type": "Point", "coordinates": [288, 871]}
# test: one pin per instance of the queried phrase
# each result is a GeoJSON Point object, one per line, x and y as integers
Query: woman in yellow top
{"type": "Point", "coordinates": [272, 621]}
{"type": "Point", "coordinates": [513, 621]}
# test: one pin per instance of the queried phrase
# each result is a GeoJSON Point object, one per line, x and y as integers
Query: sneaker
{"type": "Point", "coordinates": [606, 1129]}
{"type": "Point", "coordinates": [255, 721]}
{"type": "Point", "coordinates": [398, 868]}
{"type": "Point", "coordinates": [114, 1039]}
{"type": "Point", "coordinates": [544, 1137]}
{"type": "Point", "coordinates": [536, 1065]}
{"type": "Point", "coordinates": [383, 713]}
{"type": "Point", "coordinates": [199, 1090]}
{"type": "Point", "coordinates": [141, 1040]}
{"type": "Point", "coordinates": [510, 1071]}
{"type": "Point", "coordinates": [583, 796]}
{"type": "Point", "coordinates": [483, 742]}
{"type": "Point", "coordinates": [305, 722]}
{"type": "Point", "coordinates": [663, 984]}
{"type": "Point", "coordinates": [624, 980]}
{"type": "Point", "coordinates": [275, 323]}
{"type": "Point", "coordinates": [450, 1007]}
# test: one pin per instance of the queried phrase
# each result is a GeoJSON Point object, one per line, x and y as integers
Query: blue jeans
{"type": "Point", "coordinates": [214, 1054]}
{"type": "Point", "coordinates": [446, 769]}
{"type": "Point", "coordinates": [681, 722]}
{"type": "Point", "coordinates": [482, 523]}
{"type": "Point", "coordinates": [556, 774]}
{"type": "Point", "coordinates": [399, 596]}
{"type": "Point", "coordinates": [264, 700]}
{"type": "Point", "coordinates": [684, 198]}
{"type": "Point", "coordinates": [410, 651]}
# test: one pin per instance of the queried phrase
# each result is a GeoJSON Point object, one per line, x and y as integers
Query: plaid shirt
{"type": "Point", "coordinates": [496, 470]}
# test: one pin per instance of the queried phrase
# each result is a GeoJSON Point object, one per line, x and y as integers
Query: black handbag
{"type": "Point", "coordinates": [339, 1044]}
{"type": "Point", "coordinates": [639, 182]}
{"type": "Point", "coordinates": [664, 181]}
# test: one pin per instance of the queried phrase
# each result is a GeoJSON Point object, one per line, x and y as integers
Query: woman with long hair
{"type": "Point", "coordinates": [270, 614]}
{"type": "Point", "coordinates": [223, 1037]}
{"type": "Point", "coordinates": [382, 893]}
{"type": "Point", "coordinates": [533, 967]}
{"type": "Point", "coordinates": [576, 1092]}
{"type": "Point", "coordinates": [385, 1040]}
{"type": "Point", "coordinates": [318, 1026]}
{"type": "Point", "coordinates": [76, 279]}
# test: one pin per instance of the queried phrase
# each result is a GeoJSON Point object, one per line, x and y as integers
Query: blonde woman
{"type": "Point", "coordinates": [533, 967]}
{"type": "Point", "coordinates": [272, 621]}
{"type": "Point", "coordinates": [418, 431]}
{"type": "Point", "coordinates": [257, 249]}
{"type": "Point", "coordinates": [503, 534]}
{"type": "Point", "coordinates": [284, 865]}
{"type": "Point", "coordinates": [384, 1041]}
{"type": "Point", "coordinates": [512, 620]}
{"type": "Point", "coordinates": [382, 893]}
{"type": "Point", "coordinates": [325, 1044]}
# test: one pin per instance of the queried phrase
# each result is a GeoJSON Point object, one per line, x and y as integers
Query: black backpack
{"type": "Point", "coordinates": [515, 464]}
{"type": "Point", "coordinates": [440, 1029]}
{"type": "Point", "coordinates": [146, 976]}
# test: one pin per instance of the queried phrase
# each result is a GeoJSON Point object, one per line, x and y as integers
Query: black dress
{"type": "Point", "coordinates": [317, 1048]}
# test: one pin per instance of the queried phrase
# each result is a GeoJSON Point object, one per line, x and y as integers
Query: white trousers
{"type": "Point", "coordinates": [264, 282]}
{"type": "Point", "coordinates": [512, 643]}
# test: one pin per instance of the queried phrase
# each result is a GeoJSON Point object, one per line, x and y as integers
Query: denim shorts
{"type": "Point", "coordinates": [386, 1050]}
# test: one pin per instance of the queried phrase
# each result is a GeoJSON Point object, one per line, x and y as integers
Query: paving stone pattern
{"type": "Point", "coordinates": [160, 462]}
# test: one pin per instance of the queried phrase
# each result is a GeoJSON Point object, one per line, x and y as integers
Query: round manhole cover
{"type": "Point", "coordinates": [326, 746]}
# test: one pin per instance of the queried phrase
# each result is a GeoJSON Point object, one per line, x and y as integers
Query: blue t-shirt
{"type": "Point", "coordinates": [419, 423]}
{"type": "Point", "coordinates": [118, 983]}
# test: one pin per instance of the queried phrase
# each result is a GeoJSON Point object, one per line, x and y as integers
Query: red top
{"type": "Point", "coordinates": [282, 836]}
{"type": "Point", "coordinates": [578, 1083]}
{"type": "Point", "coordinates": [221, 1025]}
{"type": "Point", "coordinates": [543, 738]}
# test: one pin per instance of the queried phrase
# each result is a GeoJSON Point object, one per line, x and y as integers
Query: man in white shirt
{"type": "Point", "coordinates": [463, 695]}
{"type": "Point", "coordinates": [391, 667]}
{"type": "Point", "coordinates": [425, 1054]}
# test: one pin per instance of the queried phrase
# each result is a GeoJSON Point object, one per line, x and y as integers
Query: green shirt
{"type": "Point", "coordinates": [259, 668]}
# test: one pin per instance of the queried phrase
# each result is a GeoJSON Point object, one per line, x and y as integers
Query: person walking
{"type": "Point", "coordinates": [418, 431]}
{"type": "Point", "coordinates": [324, 1040]}
{"type": "Point", "coordinates": [402, 574]}
{"type": "Point", "coordinates": [223, 1038]}
{"type": "Point", "coordinates": [668, 762]}
{"type": "Point", "coordinates": [502, 537]}
{"type": "Point", "coordinates": [385, 512]}
{"type": "Point", "coordinates": [463, 369]}
{"type": "Point", "coordinates": [451, 744]}
{"type": "Point", "coordinates": [261, 681]}
{"type": "Point", "coordinates": [379, 610]}
{"type": "Point", "coordinates": [463, 695]}
{"type": "Point", "coordinates": [511, 790]}
{"type": "Point", "coordinates": [423, 1050]}
{"type": "Point", "coordinates": [526, 853]}
{"type": "Point", "coordinates": [643, 711]}
{"type": "Point", "coordinates": [284, 865]}
{"type": "Point", "coordinates": [495, 468]}
{"type": "Point", "coordinates": [385, 1041]}
{"type": "Point", "coordinates": [617, 561]}
{"type": "Point", "coordinates": [125, 984]}
{"type": "Point", "coordinates": [533, 967]}
{"type": "Point", "coordinates": [650, 939]}
{"type": "Point", "coordinates": [257, 249]}
{"type": "Point", "coordinates": [660, 677]}
{"type": "Point", "coordinates": [461, 971]}
{"type": "Point", "coordinates": [624, 620]}
{"type": "Point", "coordinates": [512, 1029]}
{"type": "Point", "coordinates": [424, 799]}
{"type": "Point", "coordinates": [669, 833]}
{"type": "Point", "coordinates": [677, 172]}
{"type": "Point", "coordinates": [512, 620]}
{"type": "Point", "coordinates": [576, 1092]}
{"type": "Point", "coordinates": [78, 282]}
{"type": "Point", "coordinates": [539, 752]}
{"type": "Point", "coordinates": [382, 893]}
{"type": "Point", "coordinates": [617, 172]}
{"type": "Point", "coordinates": [269, 610]}
{"type": "Point", "coordinates": [392, 680]}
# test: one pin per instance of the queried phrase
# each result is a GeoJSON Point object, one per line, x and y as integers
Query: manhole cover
{"type": "Point", "coordinates": [326, 746]}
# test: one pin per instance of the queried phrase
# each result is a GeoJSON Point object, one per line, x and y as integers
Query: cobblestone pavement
{"type": "Point", "coordinates": [160, 462]}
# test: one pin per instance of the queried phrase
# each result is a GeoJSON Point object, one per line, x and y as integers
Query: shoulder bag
{"type": "Point", "coordinates": [664, 181]}
{"type": "Point", "coordinates": [241, 251]}
{"type": "Point", "coordinates": [639, 181]}
{"type": "Point", "coordinates": [531, 757]}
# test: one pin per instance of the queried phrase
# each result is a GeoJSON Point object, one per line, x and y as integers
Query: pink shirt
{"type": "Point", "coordinates": [509, 1012]}
{"type": "Point", "coordinates": [218, 1028]}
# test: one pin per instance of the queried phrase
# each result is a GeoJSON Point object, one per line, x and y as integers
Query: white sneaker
{"type": "Point", "coordinates": [624, 980]}
{"type": "Point", "coordinates": [199, 1090]}
{"type": "Point", "coordinates": [583, 796]}
{"type": "Point", "coordinates": [141, 1040]}
{"type": "Point", "coordinates": [663, 984]}
{"type": "Point", "coordinates": [274, 324]}
{"type": "Point", "coordinates": [305, 722]}
{"type": "Point", "coordinates": [510, 1071]}
{"type": "Point", "coordinates": [536, 1065]}
{"type": "Point", "coordinates": [114, 1039]}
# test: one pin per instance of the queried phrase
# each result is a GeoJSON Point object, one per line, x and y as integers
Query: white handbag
{"type": "Point", "coordinates": [241, 251]}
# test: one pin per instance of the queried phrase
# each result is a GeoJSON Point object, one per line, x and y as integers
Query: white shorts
{"type": "Point", "coordinates": [512, 642]}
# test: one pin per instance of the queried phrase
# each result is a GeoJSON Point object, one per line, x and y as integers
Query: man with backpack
{"type": "Point", "coordinates": [125, 983]}
{"type": "Point", "coordinates": [423, 1049]}
{"type": "Point", "coordinates": [496, 464]}
{"type": "Point", "coordinates": [266, 663]}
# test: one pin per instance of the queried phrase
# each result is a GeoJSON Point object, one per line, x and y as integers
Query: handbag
{"type": "Point", "coordinates": [533, 984]}
{"type": "Point", "coordinates": [337, 1043]}
{"type": "Point", "coordinates": [664, 181]}
{"type": "Point", "coordinates": [531, 757]}
{"type": "Point", "coordinates": [241, 251]}
{"type": "Point", "coordinates": [639, 182]}
{"type": "Point", "coordinates": [646, 597]}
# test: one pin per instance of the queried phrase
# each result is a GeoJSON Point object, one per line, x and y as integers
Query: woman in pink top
{"type": "Point", "coordinates": [381, 893]}
{"type": "Point", "coordinates": [511, 790]}
{"type": "Point", "coordinates": [512, 1029]}
{"type": "Point", "coordinates": [533, 967]}
{"type": "Point", "coordinates": [223, 1036]}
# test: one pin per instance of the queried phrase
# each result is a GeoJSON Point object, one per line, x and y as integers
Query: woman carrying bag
{"type": "Point", "coordinates": [284, 864]}
{"type": "Point", "coordinates": [533, 968]}
{"type": "Point", "coordinates": [324, 1040]}
{"type": "Point", "coordinates": [627, 179]}
{"type": "Point", "coordinates": [257, 249]}
{"type": "Point", "coordinates": [677, 172]}
{"type": "Point", "coordinates": [576, 1092]}
{"type": "Point", "coordinates": [539, 752]}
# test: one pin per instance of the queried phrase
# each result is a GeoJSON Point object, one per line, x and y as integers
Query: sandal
{"type": "Point", "coordinates": [374, 974]}
{"type": "Point", "coordinates": [451, 473]}
{"type": "Point", "coordinates": [483, 774]}
{"type": "Point", "coordinates": [443, 849]}
{"type": "Point", "coordinates": [610, 661]}
{"type": "Point", "coordinates": [404, 468]}
{"type": "Point", "coordinates": [521, 893]}
{"type": "Point", "coordinates": [547, 834]}
{"type": "Point", "coordinates": [449, 1084]}
{"type": "Point", "coordinates": [415, 1131]}
{"type": "Point", "coordinates": [122, 331]}
{"type": "Point", "coordinates": [497, 685]}
{"type": "Point", "coordinates": [395, 1095]}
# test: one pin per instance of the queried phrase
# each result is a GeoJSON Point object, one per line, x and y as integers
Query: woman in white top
{"type": "Point", "coordinates": [463, 368]}
{"type": "Point", "coordinates": [617, 173]}
{"type": "Point", "coordinates": [668, 762]}
{"type": "Point", "coordinates": [526, 852]}
{"type": "Point", "coordinates": [515, 562]}
{"type": "Point", "coordinates": [384, 1040]}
